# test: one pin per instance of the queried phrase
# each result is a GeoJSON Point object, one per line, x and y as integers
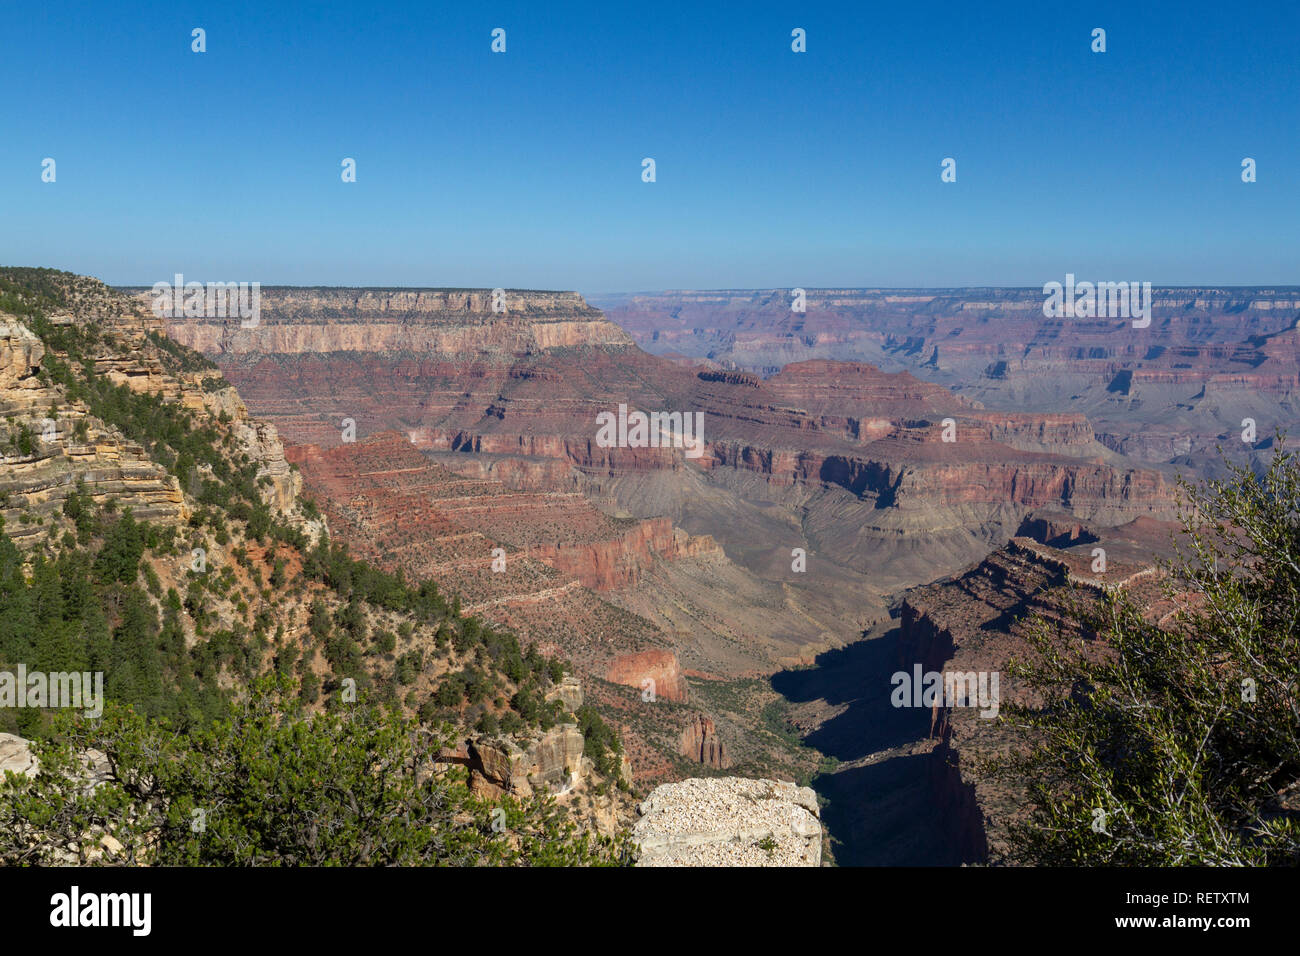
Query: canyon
{"type": "Point", "coordinates": [1167, 394]}
{"type": "Point", "coordinates": [736, 611]}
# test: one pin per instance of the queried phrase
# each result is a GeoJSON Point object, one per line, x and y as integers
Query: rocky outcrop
{"type": "Point", "coordinates": [729, 821]}
{"type": "Point", "coordinates": [263, 446]}
{"type": "Point", "coordinates": [700, 743]}
{"type": "Point", "coordinates": [51, 445]}
{"type": "Point", "coordinates": [613, 563]}
{"type": "Point", "coordinates": [258, 439]}
{"type": "Point", "coordinates": [20, 356]}
{"type": "Point", "coordinates": [731, 378]}
{"type": "Point", "coordinates": [653, 672]}
{"type": "Point", "coordinates": [568, 691]}
{"type": "Point", "coordinates": [16, 757]}
{"type": "Point", "coordinates": [551, 763]}
{"type": "Point", "coordinates": [1055, 530]}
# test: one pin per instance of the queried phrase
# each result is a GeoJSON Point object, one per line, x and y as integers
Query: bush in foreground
{"type": "Point", "coordinates": [268, 786]}
{"type": "Point", "coordinates": [1178, 743]}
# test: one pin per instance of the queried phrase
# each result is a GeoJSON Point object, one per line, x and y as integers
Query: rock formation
{"type": "Point", "coordinates": [569, 692]}
{"type": "Point", "coordinates": [552, 761]}
{"type": "Point", "coordinates": [16, 756]}
{"type": "Point", "coordinates": [729, 821]}
{"type": "Point", "coordinates": [414, 321]}
{"type": "Point", "coordinates": [974, 623]}
{"type": "Point", "coordinates": [655, 673]}
{"type": "Point", "coordinates": [700, 742]}
{"type": "Point", "coordinates": [51, 446]}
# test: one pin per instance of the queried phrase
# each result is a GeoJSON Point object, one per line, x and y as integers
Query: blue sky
{"type": "Point", "coordinates": [774, 169]}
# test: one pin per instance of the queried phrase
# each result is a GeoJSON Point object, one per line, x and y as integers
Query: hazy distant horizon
{"type": "Point", "coordinates": [590, 296]}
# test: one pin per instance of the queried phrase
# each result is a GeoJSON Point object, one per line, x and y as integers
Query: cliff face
{"type": "Point", "coordinates": [700, 742]}
{"type": "Point", "coordinates": [654, 671]}
{"type": "Point", "coordinates": [52, 444]}
{"type": "Point", "coordinates": [20, 356]}
{"type": "Point", "coordinates": [258, 439]}
{"type": "Point", "coordinates": [619, 562]}
{"type": "Point", "coordinates": [974, 623]}
{"type": "Point", "coordinates": [448, 322]}
{"type": "Point", "coordinates": [551, 762]}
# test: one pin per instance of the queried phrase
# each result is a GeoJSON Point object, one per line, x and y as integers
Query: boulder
{"type": "Point", "coordinates": [729, 821]}
{"type": "Point", "coordinates": [551, 761]}
{"type": "Point", "coordinates": [16, 756]}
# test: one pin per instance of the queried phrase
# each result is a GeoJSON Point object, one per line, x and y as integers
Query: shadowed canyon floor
{"type": "Point", "coordinates": [912, 786]}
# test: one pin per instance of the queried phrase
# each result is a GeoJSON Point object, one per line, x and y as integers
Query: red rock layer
{"type": "Point", "coordinates": [823, 423]}
{"type": "Point", "coordinates": [399, 491]}
{"type": "Point", "coordinates": [654, 673]}
{"type": "Point", "coordinates": [1235, 338]}
{"type": "Point", "coordinates": [701, 744]}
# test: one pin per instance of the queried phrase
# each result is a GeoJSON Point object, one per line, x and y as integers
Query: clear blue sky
{"type": "Point", "coordinates": [774, 168]}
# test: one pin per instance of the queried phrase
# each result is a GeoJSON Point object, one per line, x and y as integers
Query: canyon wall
{"type": "Point", "coordinates": [975, 623]}
{"type": "Point", "coordinates": [53, 446]}
{"type": "Point", "coordinates": [416, 321]}
{"type": "Point", "coordinates": [324, 361]}
{"type": "Point", "coordinates": [1170, 392]}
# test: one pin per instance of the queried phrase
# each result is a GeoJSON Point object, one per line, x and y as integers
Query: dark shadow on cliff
{"type": "Point", "coordinates": [859, 676]}
{"type": "Point", "coordinates": [891, 814]}
{"type": "Point", "coordinates": [905, 809]}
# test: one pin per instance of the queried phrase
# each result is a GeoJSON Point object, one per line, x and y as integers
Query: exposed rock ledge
{"type": "Point", "coordinates": [15, 756]}
{"type": "Point", "coordinates": [729, 821]}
